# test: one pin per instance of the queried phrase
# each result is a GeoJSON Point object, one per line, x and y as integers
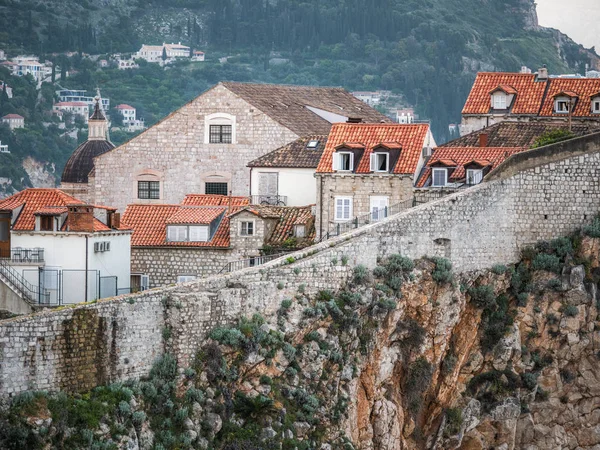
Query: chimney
{"type": "Point", "coordinates": [114, 220]}
{"type": "Point", "coordinates": [354, 120]}
{"type": "Point", "coordinates": [483, 140]}
{"type": "Point", "coordinates": [542, 73]}
{"type": "Point", "coordinates": [81, 218]}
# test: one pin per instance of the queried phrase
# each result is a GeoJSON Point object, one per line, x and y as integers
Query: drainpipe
{"type": "Point", "coordinates": [321, 208]}
{"type": "Point", "coordinates": [86, 268]}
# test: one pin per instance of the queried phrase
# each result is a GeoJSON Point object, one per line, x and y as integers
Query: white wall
{"type": "Point", "coordinates": [299, 185]}
{"type": "Point", "coordinates": [116, 262]}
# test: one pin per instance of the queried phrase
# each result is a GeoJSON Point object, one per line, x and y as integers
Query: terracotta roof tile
{"type": "Point", "coordinates": [517, 134]}
{"type": "Point", "coordinates": [410, 137]}
{"type": "Point", "coordinates": [289, 105]}
{"type": "Point", "coordinates": [196, 215]}
{"type": "Point", "coordinates": [295, 154]}
{"type": "Point", "coordinates": [13, 116]}
{"type": "Point", "coordinates": [581, 88]}
{"type": "Point", "coordinates": [149, 225]}
{"type": "Point", "coordinates": [51, 211]}
{"type": "Point", "coordinates": [459, 156]}
{"type": "Point", "coordinates": [214, 200]}
{"type": "Point", "coordinates": [529, 92]}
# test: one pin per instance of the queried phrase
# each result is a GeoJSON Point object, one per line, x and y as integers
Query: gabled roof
{"type": "Point", "coordinates": [295, 154]}
{"type": "Point", "coordinates": [200, 215]}
{"type": "Point", "coordinates": [149, 224]}
{"type": "Point", "coordinates": [289, 105]}
{"type": "Point", "coordinates": [13, 116]}
{"type": "Point", "coordinates": [411, 137]}
{"type": "Point", "coordinates": [214, 200]}
{"type": "Point", "coordinates": [517, 134]}
{"type": "Point", "coordinates": [529, 92]}
{"type": "Point", "coordinates": [504, 88]}
{"type": "Point", "coordinates": [584, 88]}
{"type": "Point", "coordinates": [124, 106]}
{"type": "Point", "coordinates": [459, 156]}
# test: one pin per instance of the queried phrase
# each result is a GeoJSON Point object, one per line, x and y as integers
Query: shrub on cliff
{"type": "Point", "coordinates": [593, 230]}
{"type": "Point", "coordinates": [544, 261]}
{"type": "Point", "coordinates": [443, 270]}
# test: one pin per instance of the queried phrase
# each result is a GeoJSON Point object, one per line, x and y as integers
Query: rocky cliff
{"type": "Point", "coordinates": [408, 356]}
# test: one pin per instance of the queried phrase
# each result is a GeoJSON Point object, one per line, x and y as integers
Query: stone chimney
{"type": "Point", "coordinates": [483, 139]}
{"type": "Point", "coordinates": [80, 218]}
{"type": "Point", "coordinates": [542, 73]}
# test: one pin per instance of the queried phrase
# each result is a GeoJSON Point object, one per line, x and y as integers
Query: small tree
{"type": "Point", "coordinates": [164, 54]}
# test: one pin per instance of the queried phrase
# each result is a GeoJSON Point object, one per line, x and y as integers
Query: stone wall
{"type": "Point", "coordinates": [247, 246]}
{"type": "Point", "coordinates": [164, 265]}
{"type": "Point", "coordinates": [175, 150]}
{"type": "Point", "coordinates": [475, 228]}
{"type": "Point", "coordinates": [398, 188]}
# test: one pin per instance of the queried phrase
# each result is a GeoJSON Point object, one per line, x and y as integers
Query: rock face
{"type": "Point", "coordinates": [409, 356]}
{"type": "Point", "coordinates": [41, 175]}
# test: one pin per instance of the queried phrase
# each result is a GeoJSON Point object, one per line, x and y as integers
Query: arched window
{"type": "Point", "coordinates": [218, 183]}
{"type": "Point", "coordinates": [148, 185]}
{"type": "Point", "coordinates": [219, 128]}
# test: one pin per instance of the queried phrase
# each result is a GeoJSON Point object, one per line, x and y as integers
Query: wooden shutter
{"type": "Point", "coordinates": [336, 161]}
{"type": "Point", "coordinates": [373, 162]}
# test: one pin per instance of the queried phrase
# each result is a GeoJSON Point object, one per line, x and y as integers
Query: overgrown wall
{"type": "Point", "coordinates": [540, 195]}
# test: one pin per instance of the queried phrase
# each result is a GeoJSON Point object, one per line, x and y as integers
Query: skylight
{"type": "Point", "coordinates": [312, 144]}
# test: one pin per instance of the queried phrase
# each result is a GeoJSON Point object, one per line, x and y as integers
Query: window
{"type": "Point", "coordinates": [474, 176]}
{"type": "Point", "coordinates": [220, 134]}
{"type": "Point", "coordinates": [198, 233]}
{"type": "Point", "coordinates": [562, 105]}
{"type": "Point", "coordinates": [440, 177]}
{"type": "Point", "coordinates": [343, 208]}
{"type": "Point", "coordinates": [247, 229]}
{"type": "Point", "coordinates": [596, 106]}
{"type": "Point", "coordinates": [177, 233]}
{"type": "Point", "coordinates": [343, 161]}
{"type": "Point", "coordinates": [499, 101]}
{"type": "Point", "coordinates": [185, 278]}
{"type": "Point", "coordinates": [139, 282]}
{"type": "Point", "coordinates": [149, 190]}
{"type": "Point", "coordinates": [380, 162]}
{"type": "Point", "coordinates": [299, 231]}
{"type": "Point", "coordinates": [46, 223]}
{"type": "Point", "coordinates": [312, 144]}
{"type": "Point", "coordinates": [216, 188]}
{"type": "Point", "coordinates": [379, 208]}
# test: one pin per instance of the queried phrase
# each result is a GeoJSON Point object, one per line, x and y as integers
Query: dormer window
{"type": "Point", "coordinates": [499, 100]}
{"type": "Point", "coordinates": [596, 105]}
{"type": "Point", "coordinates": [561, 105]}
{"type": "Point", "coordinates": [439, 177]}
{"type": "Point", "coordinates": [474, 176]}
{"type": "Point", "coordinates": [187, 233]}
{"type": "Point", "coordinates": [46, 223]}
{"type": "Point", "coordinates": [380, 162]}
{"type": "Point", "coordinates": [300, 230]}
{"type": "Point", "coordinates": [343, 161]}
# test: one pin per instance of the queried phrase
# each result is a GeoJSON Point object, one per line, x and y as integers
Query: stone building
{"type": "Point", "coordinates": [525, 97]}
{"type": "Point", "coordinates": [286, 176]}
{"type": "Point", "coordinates": [202, 236]}
{"type": "Point", "coordinates": [14, 121]}
{"type": "Point", "coordinates": [76, 174]}
{"type": "Point", "coordinates": [366, 169]}
{"type": "Point", "coordinates": [205, 146]}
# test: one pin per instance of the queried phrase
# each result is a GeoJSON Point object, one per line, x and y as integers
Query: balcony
{"type": "Point", "coordinates": [24, 255]}
{"type": "Point", "coordinates": [268, 199]}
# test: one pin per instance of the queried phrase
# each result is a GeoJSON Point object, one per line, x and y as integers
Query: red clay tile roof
{"type": "Point", "coordinates": [287, 217]}
{"type": "Point", "coordinates": [124, 106]}
{"type": "Point", "coordinates": [149, 224]}
{"type": "Point", "coordinates": [529, 92]}
{"type": "Point", "coordinates": [35, 200]}
{"type": "Point", "coordinates": [196, 215]}
{"type": "Point", "coordinates": [464, 155]}
{"type": "Point", "coordinates": [70, 104]}
{"type": "Point", "coordinates": [51, 211]}
{"type": "Point", "coordinates": [13, 116]}
{"type": "Point", "coordinates": [582, 88]}
{"type": "Point", "coordinates": [214, 200]}
{"type": "Point", "coordinates": [410, 137]}
{"type": "Point", "coordinates": [295, 154]}
{"type": "Point", "coordinates": [505, 88]}
{"type": "Point", "coordinates": [99, 226]}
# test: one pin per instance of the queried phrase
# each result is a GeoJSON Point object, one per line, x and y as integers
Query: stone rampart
{"type": "Point", "coordinates": [523, 202]}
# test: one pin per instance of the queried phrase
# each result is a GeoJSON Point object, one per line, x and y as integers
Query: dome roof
{"type": "Point", "coordinates": [81, 161]}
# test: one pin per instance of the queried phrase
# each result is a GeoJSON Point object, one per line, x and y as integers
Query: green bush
{"type": "Point", "coordinates": [344, 260]}
{"type": "Point", "coordinates": [280, 285]}
{"type": "Point", "coordinates": [529, 380]}
{"type": "Point", "coordinates": [266, 380]}
{"type": "Point", "coordinates": [570, 311]}
{"type": "Point", "coordinates": [499, 269]}
{"type": "Point", "coordinates": [286, 304]}
{"type": "Point", "coordinates": [482, 296]}
{"type": "Point", "coordinates": [413, 335]}
{"type": "Point", "coordinates": [552, 137]}
{"type": "Point", "coordinates": [454, 421]}
{"type": "Point", "coordinates": [417, 382]}
{"type": "Point", "coordinates": [544, 261]}
{"type": "Point", "coordinates": [360, 275]}
{"type": "Point", "coordinates": [443, 271]}
{"type": "Point", "coordinates": [522, 299]}
{"type": "Point", "coordinates": [194, 395]}
{"type": "Point", "coordinates": [593, 230]}
{"type": "Point", "coordinates": [555, 284]}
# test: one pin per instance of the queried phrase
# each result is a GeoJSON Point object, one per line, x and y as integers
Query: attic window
{"type": "Point", "coordinates": [312, 144]}
{"type": "Point", "coordinates": [499, 100]}
{"type": "Point", "coordinates": [343, 161]}
{"type": "Point", "coordinates": [439, 177]}
{"type": "Point", "coordinates": [299, 231]}
{"type": "Point", "coordinates": [596, 105]}
{"type": "Point", "coordinates": [46, 223]}
{"type": "Point", "coordinates": [380, 162]}
{"type": "Point", "coordinates": [474, 176]}
{"type": "Point", "coordinates": [561, 105]}
{"type": "Point", "coordinates": [185, 233]}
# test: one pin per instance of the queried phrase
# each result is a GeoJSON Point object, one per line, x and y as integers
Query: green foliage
{"type": "Point", "coordinates": [552, 137]}
{"type": "Point", "coordinates": [344, 260]}
{"type": "Point", "coordinates": [593, 230]}
{"type": "Point", "coordinates": [529, 380]}
{"type": "Point", "coordinates": [496, 320]}
{"type": "Point", "coordinates": [491, 387]}
{"type": "Point", "coordinates": [454, 421]}
{"type": "Point", "coordinates": [443, 271]}
{"type": "Point", "coordinates": [483, 296]}
{"type": "Point", "coordinates": [290, 260]}
{"type": "Point", "coordinates": [417, 381]}
{"type": "Point", "coordinates": [570, 311]}
{"type": "Point", "coordinates": [544, 261]}
{"type": "Point", "coordinates": [412, 335]}
{"type": "Point", "coordinates": [499, 269]}
{"type": "Point", "coordinates": [286, 304]}
{"type": "Point", "coordinates": [555, 284]}
{"type": "Point", "coordinates": [280, 285]}
{"type": "Point", "coordinates": [360, 274]}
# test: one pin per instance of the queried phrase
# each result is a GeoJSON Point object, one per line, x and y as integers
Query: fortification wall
{"type": "Point", "coordinates": [524, 201]}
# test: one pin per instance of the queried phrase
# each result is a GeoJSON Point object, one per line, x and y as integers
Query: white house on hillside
{"type": "Point", "coordinates": [155, 53]}
{"type": "Point", "coordinates": [77, 108]}
{"type": "Point", "coordinates": [64, 251]}
{"type": "Point", "coordinates": [129, 118]}
{"type": "Point", "coordinates": [14, 121]}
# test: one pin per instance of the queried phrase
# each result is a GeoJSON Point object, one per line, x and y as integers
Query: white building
{"type": "Point", "coordinates": [286, 176]}
{"type": "Point", "coordinates": [2, 55]}
{"type": "Point", "coordinates": [405, 116]}
{"type": "Point", "coordinates": [14, 121]}
{"type": "Point", "coordinates": [30, 65]}
{"type": "Point", "coordinates": [125, 64]}
{"type": "Point", "coordinates": [68, 252]}
{"type": "Point", "coordinates": [371, 98]}
{"type": "Point", "coordinates": [7, 88]}
{"type": "Point", "coordinates": [197, 55]}
{"type": "Point", "coordinates": [4, 148]}
{"type": "Point", "coordinates": [77, 108]}
{"type": "Point", "coordinates": [80, 95]}
{"type": "Point", "coordinates": [154, 53]}
{"type": "Point", "coordinates": [129, 118]}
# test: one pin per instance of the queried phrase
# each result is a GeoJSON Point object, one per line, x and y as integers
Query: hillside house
{"type": "Point", "coordinates": [524, 97]}
{"type": "Point", "coordinates": [130, 122]}
{"type": "Point", "coordinates": [206, 145]}
{"type": "Point", "coordinates": [76, 108]}
{"type": "Point", "coordinates": [286, 176]}
{"type": "Point", "coordinates": [14, 121]}
{"type": "Point", "coordinates": [4, 148]}
{"type": "Point", "coordinates": [6, 88]}
{"type": "Point", "coordinates": [64, 250]}
{"type": "Point", "coordinates": [156, 53]}
{"type": "Point", "coordinates": [126, 64]}
{"type": "Point", "coordinates": [197, 55]}
{"type": "Point", "coordinates": [366, 169]}
{"type": "Point", "coordinates": [178, 243]}
{"type": "Point", "coordinates": [80, 96]}
{"type": "Point", "coordinates": [2, 55]}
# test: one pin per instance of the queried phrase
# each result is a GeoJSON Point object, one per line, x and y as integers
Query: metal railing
{"type": "Point", "coordinates": [250, 262]}
{"type": "Point", "coordinates": [267, 199]}
{"type": "Point", "coordinates": [24, 255]}
{"type": "Point", "coordinates": [374, 216]}
{"type": "Point", "coordinates": [29, 292]}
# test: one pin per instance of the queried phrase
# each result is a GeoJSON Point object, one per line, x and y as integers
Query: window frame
{"type": "Point", "coordinates": [596, 105]}
{"type": "Point", "coordinates": [433, 172]}
{"type": "Point", "coordinates": [560, 101]}
{"type": "Point", "coordinates": [297, 227]}
{"type": "Point", "coordinates": [221, 134]}
{"type": "Point", "coordinates": [153, 187]}
{"type": "Point", "coordinates": [343, 198]}
{"type": "Point", "coordinates": [44, 221]}
{"type": "Point", "coordinates": [478, 171]}
{"type": "Point", "coordinates": [337, 158]}
{"type": "Point", "coordinates": [244, 233]}
{"type": "Point", "coordinates": [206, 190]}
{"type": "Point", "coordinates": [497, 104]}
{"type": "Point", "coordinates": [186, 278]}
{"type": "Point", "coordinates": [220, 119]}
{"type": "Point", "coordinates": [375, 165]}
